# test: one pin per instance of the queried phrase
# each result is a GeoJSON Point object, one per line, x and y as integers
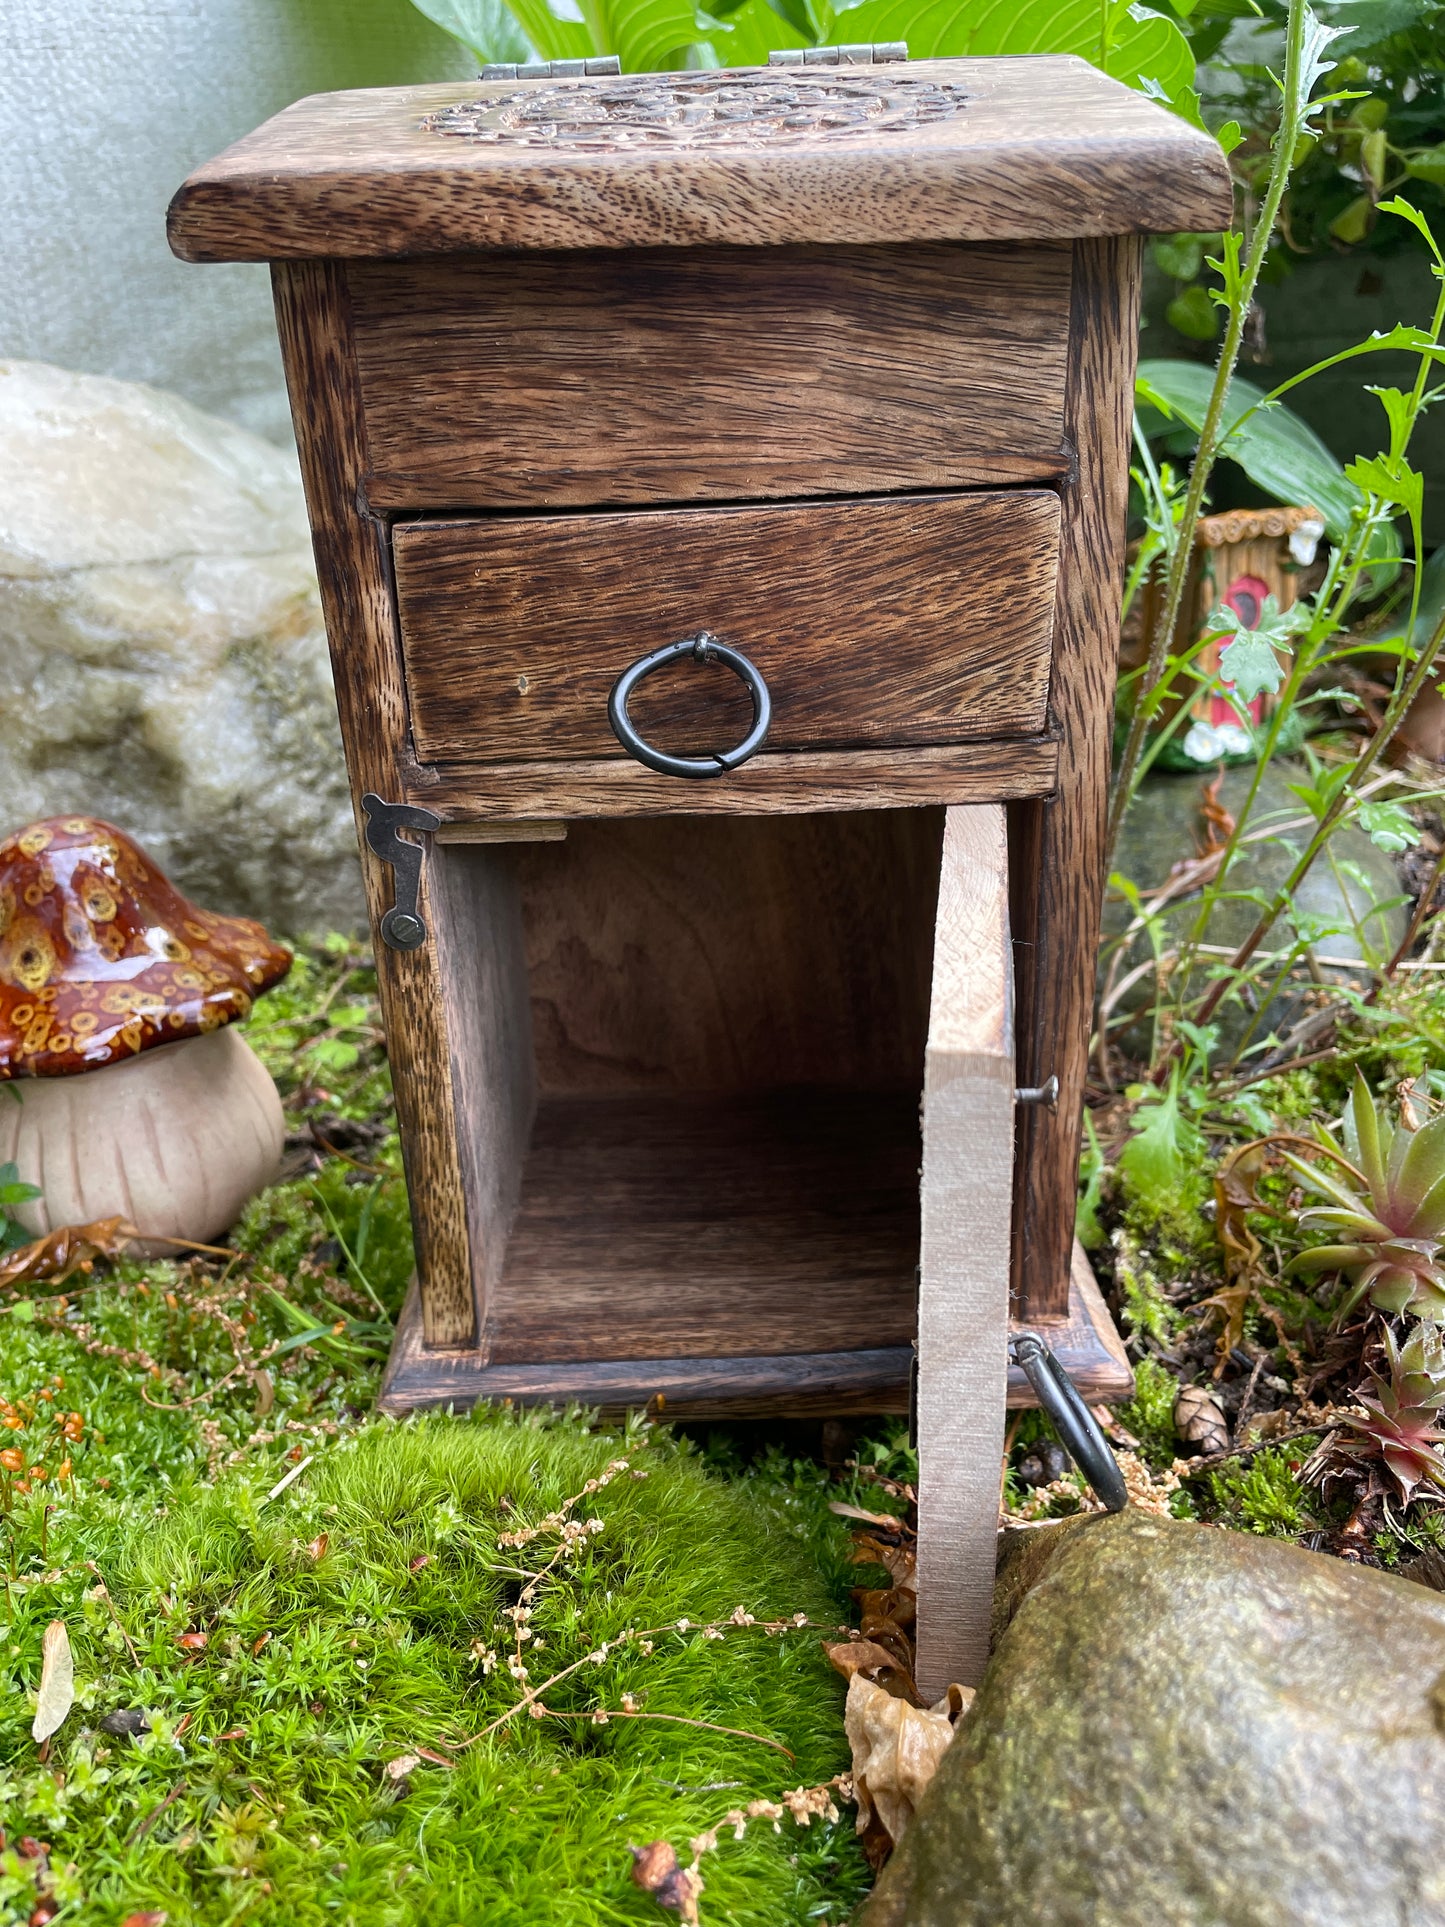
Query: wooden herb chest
{"type": "Point", "coordinates": [830, 367]}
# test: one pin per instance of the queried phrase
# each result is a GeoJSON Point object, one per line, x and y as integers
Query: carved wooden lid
{"type": "Point", "coordinates": [100, 957]}
{"type": "Point", "coordinates": [1036, 148]}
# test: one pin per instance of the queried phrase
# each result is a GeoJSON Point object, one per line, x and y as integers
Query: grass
{"type": "Point", "coordinates": [362, 1613]}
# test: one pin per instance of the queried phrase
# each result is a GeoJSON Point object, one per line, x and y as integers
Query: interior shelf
{"type": "Point", "coordinates": [664, 1226]}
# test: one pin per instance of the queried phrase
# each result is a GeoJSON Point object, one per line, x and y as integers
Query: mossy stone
{"type": "Point", "coordinates": [1187, 1727]}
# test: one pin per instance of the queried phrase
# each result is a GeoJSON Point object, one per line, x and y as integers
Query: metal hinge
{"type": "Point", "coordinates": [863, 54]}
{"type": "Point", "coordinates": [551, 69]}
{"type": "Point", "coordinates": [401, 927]}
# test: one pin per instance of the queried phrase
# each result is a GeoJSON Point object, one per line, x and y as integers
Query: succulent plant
{"type": "Point", "coordinates": [1398, 1431]}
{"type": "Point", "coordinates": [1384, 1208]}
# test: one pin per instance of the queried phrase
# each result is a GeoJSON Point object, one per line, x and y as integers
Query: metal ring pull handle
{"type": "Point", "coordinates": [1075, 1424]}
{"type": "Point", "coordinates": [702, 647]}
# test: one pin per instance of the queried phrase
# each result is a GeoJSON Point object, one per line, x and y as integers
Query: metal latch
{"type": "Point", "coordinates": [860, 54]}
{"type": "Point", "coordinates": [402, 926]}
{"type": "Point", "coordinates": [552, 69]}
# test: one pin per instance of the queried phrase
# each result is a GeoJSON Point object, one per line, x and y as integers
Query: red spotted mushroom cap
{"type": "Point", "coordinates": [101, 958]}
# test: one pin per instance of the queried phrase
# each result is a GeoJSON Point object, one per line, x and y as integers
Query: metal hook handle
{"type": "Point", "coordinates": [702, 647]}
{"type": "Point", "coordinates": [1075, 1424]}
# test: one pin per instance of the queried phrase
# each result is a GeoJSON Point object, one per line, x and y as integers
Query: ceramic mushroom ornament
{"type": "Point", "coordinates": [116, 995]}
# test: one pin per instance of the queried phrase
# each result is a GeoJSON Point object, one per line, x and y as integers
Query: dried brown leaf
{"type": "Point", "coordinates": [886, 1520]}
{"type": "Point", "coordinates": [317, 1548]}
{"type": "Point", "coordinates": [152, 1917]}
{"type": "Point", "coordinates": [1235, 1194]}
{"type": "Point", "coordinates": [896, 1750]}
{"type": "Point", "coordinates": [73, 1248]}
{"type": "Point", "coordinates": [57, 1682]}
{"type": "Point", "coordinates": [875, 1663]}
{"type": "Point", "coordinates": [1230, 1303]}
{"type": "Point", "coordinates": [900, 1562]}
{"type": "Point", "coordinates": [895, 1608]}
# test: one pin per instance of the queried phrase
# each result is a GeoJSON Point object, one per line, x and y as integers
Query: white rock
{"type": "Point", "coordinates": [162, 656]}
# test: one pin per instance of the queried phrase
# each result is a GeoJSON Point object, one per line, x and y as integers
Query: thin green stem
{"type": "Point", "coordinates": [1291, 119]}
{"type": "Point", "coordinates": [1399, 703]}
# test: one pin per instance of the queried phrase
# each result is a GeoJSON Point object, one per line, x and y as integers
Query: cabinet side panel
{"type": "Point", "coordinates": [1058, 844]}
{"type": "Point", "coordinates": [351, 557]}
{"type": "Point", "coordinates": [477, 930]}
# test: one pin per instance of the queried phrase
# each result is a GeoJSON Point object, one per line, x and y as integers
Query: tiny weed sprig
{"type": "Point", "coordinates": [573, 1537]}
{"type": "Point", "coordinates": [678, 1889]}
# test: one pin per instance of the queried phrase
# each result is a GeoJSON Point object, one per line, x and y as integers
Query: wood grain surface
{"type": "Point", "coordinates": [913, 619]}
{"type": "Point", "coordinates": [353, 563]}
{"type": "Point", "coordinates": [476, 933]}
{"type": "Point", "coordinates": [708, 1225]}
{"type": "Point", "coordinates": [963, 1300]}
{"type": "Point", "coordinates": [1046, 149]}
{"type": "Point", "coordinates": [731, 953]}
{"type": "Point", "coordinates": [799, 1384]}
{"type": "Point", "coordinates": [772, 785]}
{"type": "Point", "coordinates": [1057, 847]}
{"type": "Point", "coordinates": [678, 375]}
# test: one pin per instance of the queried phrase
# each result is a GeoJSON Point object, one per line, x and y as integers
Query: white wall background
{"type": "Point", "coordinates": [105, 106]}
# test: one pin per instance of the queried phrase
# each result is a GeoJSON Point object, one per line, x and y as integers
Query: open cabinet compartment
{"type": "Point", "coordinates": [687, 1055]}
{"type": "Point", "coordinates": [687, 1064]}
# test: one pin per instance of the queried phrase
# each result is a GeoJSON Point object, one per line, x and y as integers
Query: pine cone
{"type": "Point", "coordinates": [1199, 1419]}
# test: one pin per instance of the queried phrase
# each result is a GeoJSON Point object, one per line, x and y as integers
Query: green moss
{"type": "Point", "coordinates": [1143, 1306]}
{"type": "Point", "coordinates": [1266, 1495]}
{"type": "Point", "coordinates": [1149, 1415]}
{"type": "Point", "coordinates": [190, 1390]}
{"type": "Point", "coordinates": [344, 1621]}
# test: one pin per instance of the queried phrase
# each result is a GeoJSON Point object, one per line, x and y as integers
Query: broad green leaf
{"type": "Point", "coordinates": [643, 33]}
{"type": "Point", "coordinates": [1427, 164]}
{"type": "Point", "coordinates": [1355, 222]}
{"type": "Point", "coordinates": [555, 36]}
{"type": "Point", "coordinates": [1126, 41]}
{"type": "Point", "coordinates": [488, 27]}
{"type": "Point", "coordinates": [745, 37]}
{"type": "Point", "coordinates": [1432, 605]}
{"type": "Point", "coordinates": [1273, 447]}
{"type": "Point", "coordinates": [1230, 135]}
{"type": "Point", "coordinates": [1191, 314]}
{"type": "Point", "coordinates": [1180, 256]}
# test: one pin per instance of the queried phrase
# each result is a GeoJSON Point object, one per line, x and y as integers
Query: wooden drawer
{"type": "Point", "coordinates": [906, 620]}
{"type": "Point", "coordinates": [696, 374]}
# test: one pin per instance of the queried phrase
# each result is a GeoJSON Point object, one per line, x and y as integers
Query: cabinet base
{"type": "Point", "coordinates": [794, 1385]}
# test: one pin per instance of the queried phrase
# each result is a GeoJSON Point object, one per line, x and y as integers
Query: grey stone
{"type": "Point", "coordinates": [1353, 890]}
{"type": "Point", "coordinates": [162, 656]}
{"type": "Point", "coordinates": [1188, 1727]}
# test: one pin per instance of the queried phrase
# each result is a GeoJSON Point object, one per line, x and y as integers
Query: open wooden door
{"type": "Point", "coordinates": [963, 1305]}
